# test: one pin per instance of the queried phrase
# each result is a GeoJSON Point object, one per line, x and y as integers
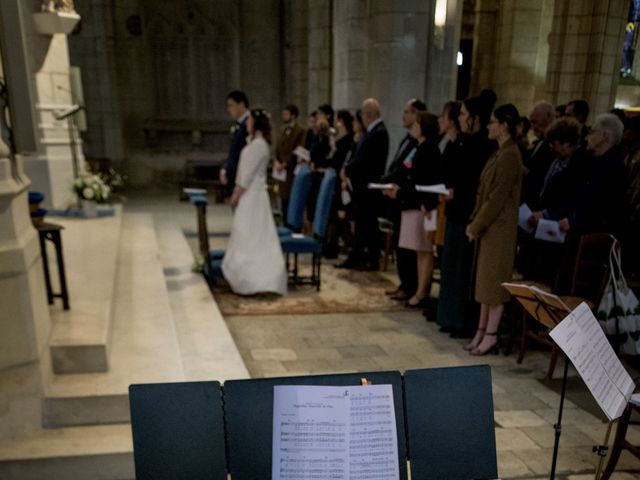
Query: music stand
{"type": "Point", "coordinates": [549, 310]}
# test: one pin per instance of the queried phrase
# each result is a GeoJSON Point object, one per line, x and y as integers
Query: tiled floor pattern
{"type": "Point", "coordinates": [525, 410]}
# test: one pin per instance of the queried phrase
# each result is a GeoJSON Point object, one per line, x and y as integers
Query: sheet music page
{"type": "Point", "coordinates": [573, 341]}
{"type": "Point", "coordinates": [310, 427]}
{"type": "Point", "coordinates": [334, 433]}
{"type": "Point", "coordinates": [599, 343]}
{"type": "Point", "coordinates": [373, 443]}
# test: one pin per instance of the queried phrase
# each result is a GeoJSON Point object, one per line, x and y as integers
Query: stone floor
{"type": "Point", "coordinates": [525, 409]}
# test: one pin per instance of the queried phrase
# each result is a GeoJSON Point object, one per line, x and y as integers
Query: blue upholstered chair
{"type": "Point", "coordinates": [297, 202]}
{"type": "Point", "coordinates": [297, 244]}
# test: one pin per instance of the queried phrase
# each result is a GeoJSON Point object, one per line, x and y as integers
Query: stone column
{"type": "Point", "coordinates": [260, 53]}
{"type": "Point", "coordinates": [397, 57]}
{"type": "Point", "coordinates": [319, 53]}
{"type": "Point", "coordinates": [44, 61]}
{"type": "Point", "coordinates": [520, 62]}
{"type": "Point", "coordinates": [442, 71]}
{"type": "Point", "coordinates": [296, 44]}
{"type": "Point", "coordinates": [484, 44]}
{"type": "Point", "coordinates": [350, 48]}
{"type": "Point", "coordinates": [24, 318]}
{"type": "Point", "coordinates": [584, 54]}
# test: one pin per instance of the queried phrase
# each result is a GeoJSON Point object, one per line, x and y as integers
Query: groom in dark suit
{"type": "Point", "coordinates": [367, 165]}
{"type": "Point", "coordinates": [238, 109]}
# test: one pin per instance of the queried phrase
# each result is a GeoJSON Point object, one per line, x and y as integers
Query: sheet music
{"type": "Point", "coordinates": [338, 433]}
{"type": "Point", "coordinates": [524, 213]}
{"type": "Point", "coordinates": [599, 343]}
{"type": "Point", "coordinates": [576, 336]}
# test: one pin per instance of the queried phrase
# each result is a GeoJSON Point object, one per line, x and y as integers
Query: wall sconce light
{"type": "Point", "coordinates": [439, 22]}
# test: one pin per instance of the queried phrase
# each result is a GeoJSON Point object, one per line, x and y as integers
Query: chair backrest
{"type": "Point", "coordinates": [178, 431]}
{"type": "Point", "coordinates": [324, 202]}
{"type": "Point", "coordinates": [591, 270]}
{"type": "Point", "coordinates": [298, 200]}
{"type": "Point", "coordinates": [450, 424]}
{"type": "Point", "coordinates": [249, 418]}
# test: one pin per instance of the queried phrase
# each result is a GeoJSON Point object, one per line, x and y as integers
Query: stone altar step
{"type": "Point", "coordinates": [97, 452]}
{"type": "Point", "coordinates": [80, 337]}
{"type": "Point", "coordinates": [207, 348]}
{"type": "Point", "coordinates": [144, 347]}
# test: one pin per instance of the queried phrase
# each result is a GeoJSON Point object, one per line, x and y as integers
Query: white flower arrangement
{"type": "Point", "coordinates": [96, 187]}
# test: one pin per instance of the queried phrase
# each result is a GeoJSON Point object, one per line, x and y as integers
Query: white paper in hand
{"type": "Point", "coordinates": [280, 175]}
{"type": "Point", "coordinates": [380, 186]}
{"type": "Point", "coordinates": [524, 214]}
{"type": "Point", "coordinates": [439, 188]}
{"type": "Point", "coordinates": [302, 153]}
{"type": "Point", "coordinates": [549, 231]}
{"type": "Point", "coordinates": [346, 197]}
{"type": "Point", "coordinates": [431, 224]}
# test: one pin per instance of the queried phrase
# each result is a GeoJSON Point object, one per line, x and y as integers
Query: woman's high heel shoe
{"type": "Point", "coordinates": [492, 348]}
{"type": "Point", "coordinates": [472, 346]}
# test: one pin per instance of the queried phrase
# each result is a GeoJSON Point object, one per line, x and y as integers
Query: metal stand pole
{"type": "Point", "coordinates": [558, 425]}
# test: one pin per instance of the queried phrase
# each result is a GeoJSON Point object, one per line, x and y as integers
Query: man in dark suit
{"type": "Point", "coordinates": [367, 165]}
{"type": "Point", "coordinates": [579, 109]}
{"type": "Point", "coordinates": [406, 259]}
{"type": "Point", "coordinates": [539, 157]}
{"type": "Point", "coordinates": [238, 109]}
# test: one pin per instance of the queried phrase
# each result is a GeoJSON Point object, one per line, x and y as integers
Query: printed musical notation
{"type": "Point", "coordinates": [338, 433]}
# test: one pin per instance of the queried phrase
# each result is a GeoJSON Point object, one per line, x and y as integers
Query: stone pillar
{"type": "Point", "coordinates": [520, 63]}
{"type": "Point", "coordinates": [260, 53]}
{"type": "Point", "coordinates": [24, 318]}
{"type": "Point", "coordinates": [484, 45]}
{"type": "Point", "coordinates": [442, 71]}
{"type": "Point", "coordinates": [296, 44]}
{"type": "Point", "coordinates": [397, 57]}
{"type": "Point", "coordinates": [584, 55]}
{"type": "Point", "coordinates": [319, 53]}
{"type": "Point", "coordinates": [350, 48]}
{"type": "Point", "coordinates": [44, 60]}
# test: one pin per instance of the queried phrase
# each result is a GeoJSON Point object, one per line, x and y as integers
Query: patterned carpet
{"type": "Point", "coordinates": [343, 291]}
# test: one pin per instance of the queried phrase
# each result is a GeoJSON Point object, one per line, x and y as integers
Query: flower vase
{"type": "Point", "coordinates": [89, 208]}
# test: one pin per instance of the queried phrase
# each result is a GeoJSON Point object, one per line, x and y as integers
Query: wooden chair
{"type": "Point", "coordinates": [620, 442]}
{"type": "Point", "coordinates": [588, 280]}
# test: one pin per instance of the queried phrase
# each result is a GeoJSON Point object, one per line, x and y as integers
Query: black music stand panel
{"type": "Point", "coordinates": [248, 406]}
{"type": "Point", "coordinates": [450, 423]}
{"type": "Point", "coordinates": [178, 431]}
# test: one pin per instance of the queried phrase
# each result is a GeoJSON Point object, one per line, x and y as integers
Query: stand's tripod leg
{"type": "Point", "coordinates": [602, 450]}
{"type": "Point", "coordinates": [558, 425]}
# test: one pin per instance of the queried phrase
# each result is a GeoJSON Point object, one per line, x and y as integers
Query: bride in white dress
{"type": "Point", "coordinates": [253, 261]}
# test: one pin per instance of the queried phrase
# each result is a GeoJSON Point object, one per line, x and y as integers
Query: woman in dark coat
{"type": "Point", "coordinates": [464, 158]}
{"type": "Point", "coordinates": [494, 225]}
{"type": "Point", "coordinates": [423, 166]}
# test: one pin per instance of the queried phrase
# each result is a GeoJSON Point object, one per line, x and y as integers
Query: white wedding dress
{"type": "Point", "coordinates": [253, 261]}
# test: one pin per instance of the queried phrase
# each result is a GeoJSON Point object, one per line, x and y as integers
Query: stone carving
{"type": "Point", "coordinates": [53, 6]}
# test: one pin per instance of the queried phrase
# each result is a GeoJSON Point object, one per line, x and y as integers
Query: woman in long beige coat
{"type": "Point", "coordinates": [494, 226]}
